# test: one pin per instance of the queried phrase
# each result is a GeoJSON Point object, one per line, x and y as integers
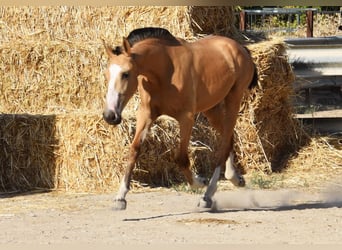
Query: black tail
{"type": "Point", "coordinates": [254, 81]}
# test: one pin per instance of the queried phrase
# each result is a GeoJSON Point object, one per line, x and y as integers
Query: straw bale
{"type": "Point", "coordinates": [50, 76]}
{"type": "Point", "coordinates": [27, 157]}
{"type": "Point", "coordinates": [93, 156]}
{"type": "Point", "coordinates": [52, 61]}
{"type": "Point", "coordinates": [267, 133]}
{"type": "Point", "coordinates": [57, 51]}
{"type": "Point", "coordinates": [218, 20]}
{"type": "Point", "coordinates": [86, 23]}
{"type": "Point", "coordinates": [80, 152]}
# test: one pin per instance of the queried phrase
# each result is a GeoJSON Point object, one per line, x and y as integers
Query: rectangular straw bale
{"type": "Point", "coordinates": [80, 152]}
{"type": "Point", "coordinates": [217, 20]}
{"type": "Point", "coordinates": [52, 57]}
{"type": "Point", "coordinates": [88, 152]}
{"type": "Point", "coordinates": [51, 76]}
{"type": "Point", "coordinates": [87, 23]}
{"type": "Point", "coordinates": [92, 155]}
{"type": "Point", "coordinates": [27, 159]}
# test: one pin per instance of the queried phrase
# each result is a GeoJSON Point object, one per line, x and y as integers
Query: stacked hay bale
{"type": "Point", "coordinates": [213, 20]}
{"type": "Point", "coordinates": [267, 132]}
{"type": "Point", "coordinates": [51, 93]}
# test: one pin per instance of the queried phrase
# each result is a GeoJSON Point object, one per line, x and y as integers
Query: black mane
{"type": "Point", "coordinates": [138, 35]}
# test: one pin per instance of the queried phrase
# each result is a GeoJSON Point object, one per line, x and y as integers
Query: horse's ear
{"type": "Point", "coordinates": [107, 48]}
{"type": "Point", "coordinates": [126, 46]}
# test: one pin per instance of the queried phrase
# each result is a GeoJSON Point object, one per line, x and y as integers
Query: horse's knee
{"type": "Point", "coordinates": [194, 180]}
{"type": "Point", "coordinates": [183, 161]}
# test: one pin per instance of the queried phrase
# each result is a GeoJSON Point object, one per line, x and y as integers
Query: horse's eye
{"type": "Point", "coordinates": [125, 75]}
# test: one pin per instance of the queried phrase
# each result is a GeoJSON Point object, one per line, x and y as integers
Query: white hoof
{"type": "Point", "coordinates": [119, 204]}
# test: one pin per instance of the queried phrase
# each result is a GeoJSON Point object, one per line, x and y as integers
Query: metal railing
{"type": "Point", "coordinates": [252, 20]}
{"type": "Point", "coordinates": [317, 65]}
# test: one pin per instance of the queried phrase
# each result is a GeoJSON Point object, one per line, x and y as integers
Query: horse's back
{"type": "Point", "coordinates": [219, 64]}
{"type": "Point", "coordinates": [220, 47]}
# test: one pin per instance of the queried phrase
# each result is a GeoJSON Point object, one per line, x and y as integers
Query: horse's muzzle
{"type": "Point", "coordinates": [111, 117]}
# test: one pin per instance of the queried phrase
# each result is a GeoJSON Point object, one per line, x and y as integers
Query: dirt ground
{"type": "Point", "coordinates": [164, 216]}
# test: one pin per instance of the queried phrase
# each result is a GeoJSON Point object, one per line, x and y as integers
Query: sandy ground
{"type": "Point", "coordinates": [164, 216]}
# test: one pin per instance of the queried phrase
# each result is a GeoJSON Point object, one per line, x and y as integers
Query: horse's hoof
{"type": "Point", "coordinates": [205, 202]}
{"type": "Point", "coordinates": [239, 181]}
{"type": "Point", "coordinates": [242, 181]}
{"type": "Point", "coordinates": [199, 182]}
{"type": "Point", "coordinates": [119, 204]}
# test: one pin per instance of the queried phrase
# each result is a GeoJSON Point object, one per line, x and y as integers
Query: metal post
{"type": "Point", "coordinates": [309, 23]}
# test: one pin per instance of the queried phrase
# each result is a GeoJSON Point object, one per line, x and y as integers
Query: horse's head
{"type": "Point", "coordinates": [121, 77]}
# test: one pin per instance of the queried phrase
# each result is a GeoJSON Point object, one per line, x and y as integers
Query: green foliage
{"type": "Point", "coordinates": [262, 181]}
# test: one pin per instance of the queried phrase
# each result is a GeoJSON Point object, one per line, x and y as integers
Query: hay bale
{"type": "Point", "coordinates": [91, 155]}
{"type": "Point", "coordinates": [52, 60]}
{"type": "Point", "coordinates": [218, 20]}
{"type": "Point", "coordinates": [27, 158]}
{"type": "Point", "coordinates": [267, 134]}
{"type": "Point", "coordinates": [51, 76]}
{"type": "Point", "coordinates": [78, 151]}
{"type": "Point", "coordinates": [86, 23]}
{"type": "Point", "coordinates": [52, 57]}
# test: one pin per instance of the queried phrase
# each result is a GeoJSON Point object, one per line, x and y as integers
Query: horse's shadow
{"type": "Point", "coordinates": [214, 210]}
{"type": "Point", "coordinates": [300, 206]}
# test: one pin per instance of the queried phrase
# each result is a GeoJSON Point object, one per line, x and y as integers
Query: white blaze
{"type": "Point", "coordinates": [112, 95]}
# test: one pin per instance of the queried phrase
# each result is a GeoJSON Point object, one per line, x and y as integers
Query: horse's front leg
{"type": "Point", "coordinates": [144, 122]}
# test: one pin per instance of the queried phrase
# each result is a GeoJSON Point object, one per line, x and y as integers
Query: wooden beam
{"type": "Point", "coordinates": [309, 23]}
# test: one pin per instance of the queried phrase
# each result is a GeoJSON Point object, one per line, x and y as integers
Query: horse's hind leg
{"type": "Point", "coordinates": [225, 123]}
{"type": "Point", "coordinates": [232, 106]}
{"type": "Point", "coordinates": [186, 122]}
{"type": "Point", "coordinates": [223, 117]}
{"type": "Point", "coordinates": [214, 115]}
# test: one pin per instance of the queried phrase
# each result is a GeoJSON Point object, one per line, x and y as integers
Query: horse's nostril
{"type": "Point", "coordinates": [111, 117]}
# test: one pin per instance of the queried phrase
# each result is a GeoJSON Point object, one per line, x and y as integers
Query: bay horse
{"type": "Point", "coordinates": [179, 79]}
